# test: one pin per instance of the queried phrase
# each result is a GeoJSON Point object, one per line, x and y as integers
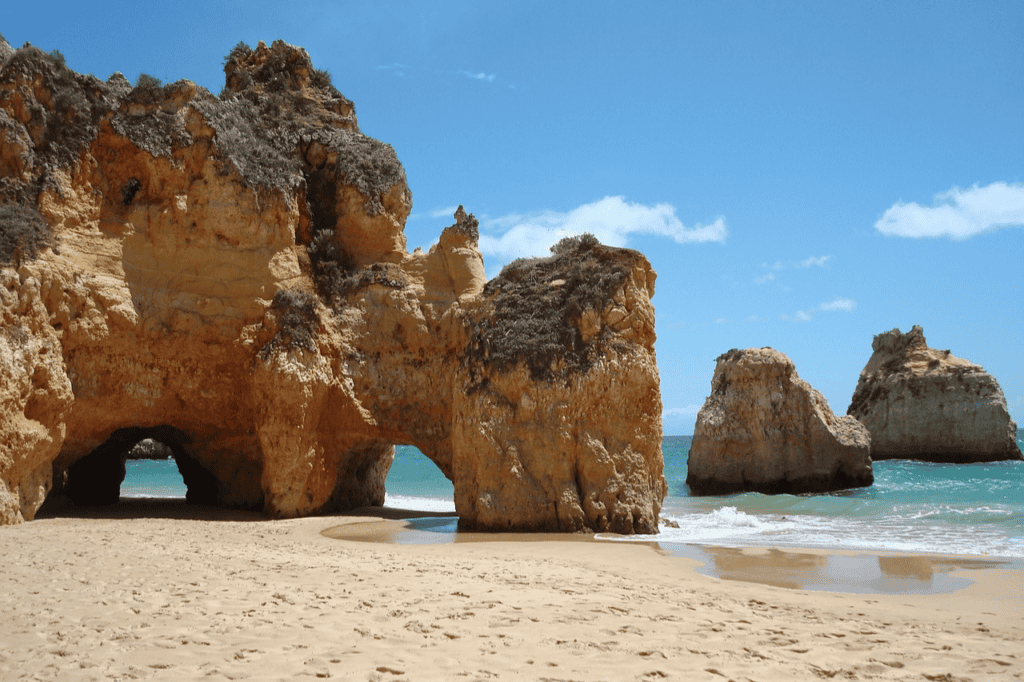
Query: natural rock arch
{"type": "Point", "coordinates": [96, 478]}
{"type": "Point", "coordinates": [235, 268]}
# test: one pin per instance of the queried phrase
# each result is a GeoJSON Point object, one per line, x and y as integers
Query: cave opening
{"type": "Point", "coordinates": [97, 478]}
{"type": "Point", "coordinates": [152, 472]}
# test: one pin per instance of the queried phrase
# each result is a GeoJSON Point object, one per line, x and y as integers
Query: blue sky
{"type": "Point", "coordinates": [801, 175]}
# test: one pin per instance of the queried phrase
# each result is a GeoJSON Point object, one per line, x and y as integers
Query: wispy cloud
{"type": "Point", "coordinates": [809, 262]}
{"type": "Point", "coordinates": [798, 316]}
{"type": "Point", "coordinates": [957, 214]}
{"type": "Point", "coordinates": [688, 411]}
{"type": "Point", "coordinates": [844, 305]}
{"type": "Point", "coordinates": [400, 70]}
{"type": "Point", "coordinates": [446, 212]}
{"type": "Point", "coordinates": [479, 76]}
{"type": "Point", "coordinates": [816, 261]}
{"type": "Point", "coordinates": [612, 220]}
{"type": "Point", "coordinates": [406, 71]}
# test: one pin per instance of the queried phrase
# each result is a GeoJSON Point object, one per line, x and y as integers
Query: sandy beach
{"type": "Point", "coordinates": [168, 592]}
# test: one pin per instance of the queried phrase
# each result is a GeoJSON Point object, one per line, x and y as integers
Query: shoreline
{"type": "Point", "coordinates": [800, 568]}
{"type": "Point", "coordinates": [847, 571]}
{"type": "Point", "coordinates": [186, 592]}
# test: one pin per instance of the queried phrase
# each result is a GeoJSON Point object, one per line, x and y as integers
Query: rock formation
{"type": "Point", "coordinates": [764, 429]}
{"type": "Point", "coordinates": [229, 277]}
{"type": "Point", "coordinates": [921, 403]}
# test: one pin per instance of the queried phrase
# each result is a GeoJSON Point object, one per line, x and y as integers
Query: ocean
{"type": "Point", "coordinates": [917, 507]}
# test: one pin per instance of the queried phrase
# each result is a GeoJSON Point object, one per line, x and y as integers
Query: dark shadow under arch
{"type": "Point", "coordinates": [95, 480]}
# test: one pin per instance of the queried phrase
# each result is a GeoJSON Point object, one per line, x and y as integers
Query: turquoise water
{"type": "Point", "coordinates": [971, 509]}
{"type": "Point", "coordinates": [152, 478]}
{"type": "Point", "coordinates": [975, 509]}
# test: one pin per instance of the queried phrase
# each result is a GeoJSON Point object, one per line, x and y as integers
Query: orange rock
{"type": "Point", "coordinates": [229, 276]}
{"type": "Point", "coordinates": [764, 429]}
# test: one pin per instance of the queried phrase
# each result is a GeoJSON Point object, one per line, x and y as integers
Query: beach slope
{"type": "Point", "coordinates": [208, 594]}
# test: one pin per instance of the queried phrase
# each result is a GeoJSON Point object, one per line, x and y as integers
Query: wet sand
{"type": "Point", "coordinates": [169, 592]}
{"type": "Point", "coordinates": [793, 568]}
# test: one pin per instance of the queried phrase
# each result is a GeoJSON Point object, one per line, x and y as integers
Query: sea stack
{"type": "Point", "coordinates": [927, 404]}
{"type": "Point", "coordinates": [228, 275]}
{"type": "Point", "coordinates": [764, 429]}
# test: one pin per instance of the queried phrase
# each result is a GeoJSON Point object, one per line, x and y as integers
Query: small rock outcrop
{"type": "Point", "coordinates": [228, 276]}
{"type": "Point", "coordinates": [764, 429]}
{"type": "Point", "coordinates": [927, 404]}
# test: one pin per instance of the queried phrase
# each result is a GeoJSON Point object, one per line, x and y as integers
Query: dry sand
{"type": "Point", "coordinates": [186, 593]}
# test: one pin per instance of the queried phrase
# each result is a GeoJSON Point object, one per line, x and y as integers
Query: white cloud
{"type": "Point", "coordinates": [958, 214]}
{"type": "Point", "coordinates": [811, 261]}
{"type": "Point", "coordinates": [488, 77]}
{"type": "Point", "coordinates": [446, 212]}
{"type": "Point", "coordinates": [798, 316]}
{"type": "Point", "coordinates": [845, 305]}
{"type": "Point", "coordinates": [721, 320]}
{"type": "Point", "coordinates": [820, 261]}
{"type": "Point", "coordinates": [396, 68]}
{"type": "Point", "coordinates": [612, 220]}
{"type": "Point", "coordinates": [688, 411]}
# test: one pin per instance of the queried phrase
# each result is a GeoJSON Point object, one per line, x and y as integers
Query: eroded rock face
{"type": "Point", "coordinates": [229, 276]}
{"type": "Point", "coordinates": [578, 423]}
{"type": "Point", "coordinates": [922, 403]}
{"type": "Point", "coordinates": [764, 429]}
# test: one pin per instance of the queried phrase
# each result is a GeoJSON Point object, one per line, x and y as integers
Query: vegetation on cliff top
{"type": "Point", "coordinates": [534, 308]}
{"type": "Point", "coordinates": [279, 123]}
{"type": "Point", "coordinates": [69, 118]}
{"type": "Point", "coordinates": [272, 108]}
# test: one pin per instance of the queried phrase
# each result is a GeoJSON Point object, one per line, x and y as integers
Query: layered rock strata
{"type": "Point", "coordinates": [927, 404]}
{"type": "Point", "coordinates": [764, 429]}
{"type": "Point", "coordinates": [228, 275]}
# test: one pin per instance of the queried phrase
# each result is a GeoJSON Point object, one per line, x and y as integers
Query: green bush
{"type": "Point", "coordinates": [238, 53]}
{"type": "Point", "coordinates": [58, 58]}
{"type": "Point", "coordinates": [23, 233]}
{"type": "Point", "coordinates": [298, 323]}
{"type": "Point", "coordinates": [569, 244]}
{"type": "Point", "coordinates": [148, 90]}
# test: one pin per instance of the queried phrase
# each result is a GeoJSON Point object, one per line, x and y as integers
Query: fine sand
{"type": "Point", "coordinates": [168, 592]}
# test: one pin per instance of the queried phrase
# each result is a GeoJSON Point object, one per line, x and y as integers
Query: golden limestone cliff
{"type": "Point", "coordinates": [927, 404]}
{"type": "Point", "coordinates": [765, 429]}
{"type": "Point", "coordinates": [229, 276]}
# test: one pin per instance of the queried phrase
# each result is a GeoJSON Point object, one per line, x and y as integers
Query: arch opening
{"type": "Point", "coordinates": [96, 479]}
{"type": "Point", "coordinates": [416, 482]}
{"type": "Point", "coordinates": [151, 472]}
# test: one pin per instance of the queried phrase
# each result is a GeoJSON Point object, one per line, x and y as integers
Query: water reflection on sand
{"type": "Point", "coordinates": [848, 572]}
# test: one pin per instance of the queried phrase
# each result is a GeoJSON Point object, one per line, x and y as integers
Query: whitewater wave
{"type": "Point", "coordinates": [415, 503]}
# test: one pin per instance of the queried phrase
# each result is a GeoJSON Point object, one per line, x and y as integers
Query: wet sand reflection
{"type": "Point", "coordinates": [861, 573]}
